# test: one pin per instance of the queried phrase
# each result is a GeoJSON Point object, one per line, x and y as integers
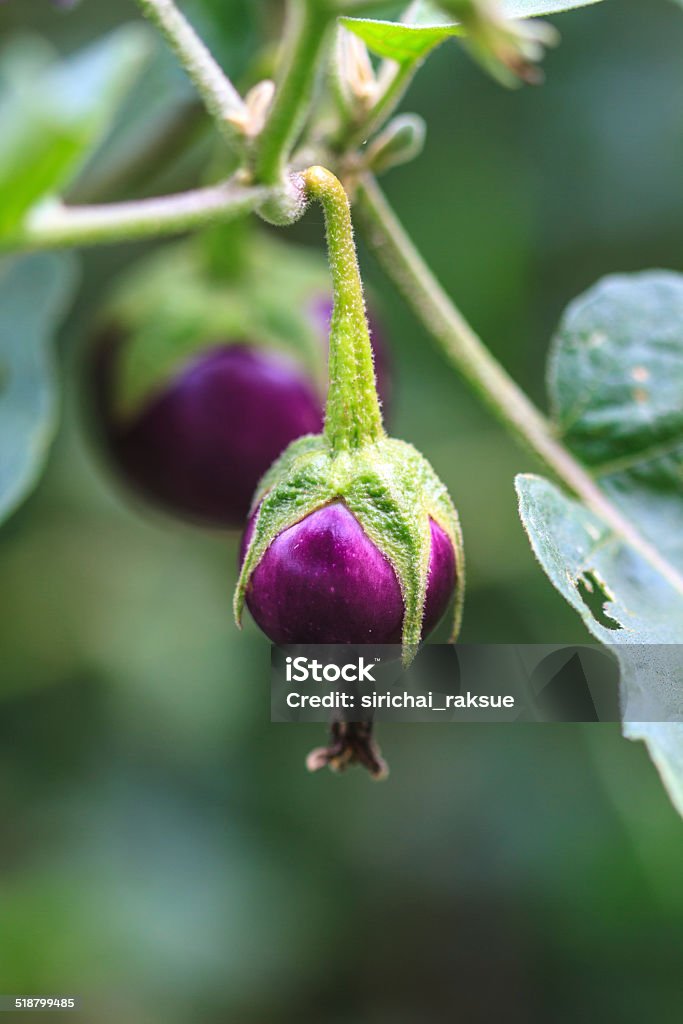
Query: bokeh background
{"type": "Point", "coordinates": [163, 852]}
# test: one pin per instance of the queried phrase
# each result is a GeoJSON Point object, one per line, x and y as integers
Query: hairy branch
{"type": "Point", "coordinates": [54, 225]}
{"type": "Point", "coordinates": [221, 99]}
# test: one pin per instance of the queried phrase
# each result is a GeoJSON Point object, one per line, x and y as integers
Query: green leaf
{"type": "Point", "coordinates": [616, 387]}
{"type": "Point", "coordinates": [578, 553]}
{"type": "Point", "coordinates": [53, 113]}
{"type": "Point", "coordinates": [34, 291]}
{"type": "Point", "coordinates": [406, 44]}
{"type": "Point", "coordinates": [616, 381]}
{"type": "Point", "coordinates": [409, 44]}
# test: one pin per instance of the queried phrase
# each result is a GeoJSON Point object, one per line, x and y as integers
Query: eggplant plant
{"type": "Point", "coordinates": [606, 514]}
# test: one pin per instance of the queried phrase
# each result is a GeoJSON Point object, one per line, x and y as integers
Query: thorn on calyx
{"type": "Point", "coordinates": [350, 743]}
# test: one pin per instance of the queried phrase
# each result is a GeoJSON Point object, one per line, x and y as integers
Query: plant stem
{"type": "Point", "coordinates": [465, 350]}
{"type": "Point", "coordinates": [382, 110]}
{"type": "Point", "coordinates": [352, 415]}
{"type": "Point", "coordinates": [308, 21]}
{"type": "Point", "coordinates": [54, 225]}
{"type": "Point", "coordinates": [221, 99]}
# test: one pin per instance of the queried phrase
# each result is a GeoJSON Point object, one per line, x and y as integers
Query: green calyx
{"type": "Point", "coordinates": [391, 490]}
{"type": "Point", "coordinates": [203, 292]}
{"type": "Point", "coordinates": [386, 484]}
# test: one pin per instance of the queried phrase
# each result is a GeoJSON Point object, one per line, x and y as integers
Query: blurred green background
{"type": "Point", "coordinates": [164, 853]}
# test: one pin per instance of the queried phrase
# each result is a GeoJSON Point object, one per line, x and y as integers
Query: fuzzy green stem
{"type": "Point", "coordinates": [308, 21]}
{"type": "Point", "coordinates": [53, 225]}
{"type": "Point", "coordinates": [352, 416]}
{"type": "Point", "coordinates": [467, 353]}
{"type": "Point", "coordinates": [221, 99]}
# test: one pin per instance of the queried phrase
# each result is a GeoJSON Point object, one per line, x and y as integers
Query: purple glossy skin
{"type": "Point", "coordinates": [200, 447]}
{"type": "Point", "coordinates": [323, 581]}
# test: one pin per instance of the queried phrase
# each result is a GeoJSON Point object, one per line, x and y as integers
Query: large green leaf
{"type": "Point", "coordinates": [431, 26]}
{"type": "Point", "coordinates": [53, 113]}
{"type": "Point", "coordinates": [616, 383]}
{"type": "Point", "coordinates": [34, 291]}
